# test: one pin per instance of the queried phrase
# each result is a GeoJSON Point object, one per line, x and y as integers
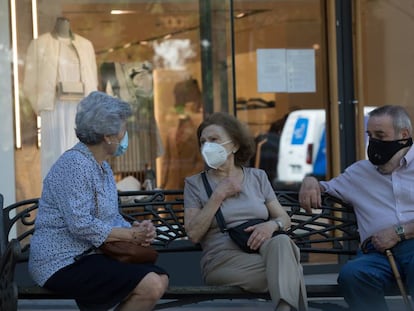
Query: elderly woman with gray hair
{"type": "Point", "coordinates": [78, 210]}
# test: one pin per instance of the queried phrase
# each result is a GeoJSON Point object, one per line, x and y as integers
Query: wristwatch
{"type": "Point", "coordinates": [399, 229]}
{"type": "Point", "coordinates": [279, 223]}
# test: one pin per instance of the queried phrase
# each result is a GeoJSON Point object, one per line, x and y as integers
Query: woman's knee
{"type": "Point", "coordinates": [281, 240]}
{"type": "Point", "coordinates": [152, 286]}
{"type": "Point", "coordinates": [281, 244]}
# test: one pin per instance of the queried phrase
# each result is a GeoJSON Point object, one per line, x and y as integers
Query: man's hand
{"type": "Point", "coordinates": [385, 239]}
{"type": "Point", "coordinates": [310, 194]}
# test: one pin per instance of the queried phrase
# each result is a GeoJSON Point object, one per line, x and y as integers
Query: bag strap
{"type": "Point", "coordinates": [219, 215]}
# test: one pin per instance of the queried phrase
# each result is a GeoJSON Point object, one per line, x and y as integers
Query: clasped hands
{"type": "Point", "coordinates": [143, 232]}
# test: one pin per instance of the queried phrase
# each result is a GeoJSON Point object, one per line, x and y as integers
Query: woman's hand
{"type": "Point", "coordinates": [260, 233]}
{"type": "Point", "coordinates": [228, 187]}
{"type": "Point", "coordinates": [198, 221]}
{"type": "Point", "coordinates": [143, 232]}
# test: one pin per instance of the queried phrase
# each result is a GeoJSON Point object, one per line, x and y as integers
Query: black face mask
{"type": "Point", "coordinates": [381, 151]}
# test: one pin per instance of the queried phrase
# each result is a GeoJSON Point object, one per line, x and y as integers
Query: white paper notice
{"type": "Point", "coordinates": [286, 70]}
{"type": "Point", "coordinates": [301, 71]}
{"type": "Point", "coordinates": [271, 70]}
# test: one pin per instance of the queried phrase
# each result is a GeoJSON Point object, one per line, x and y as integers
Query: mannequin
{"type": "Point", "coordinates": [181, 158]}
{"type": "Point", "coordinates": [133, 83]}
{"type": "Point", "coordinates": [188, 91]}
{"type": "Point", "coordinates": [60, 69]}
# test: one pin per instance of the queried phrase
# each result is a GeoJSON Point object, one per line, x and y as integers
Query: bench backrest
{"type": "Point", "coordinates": [331, 229]}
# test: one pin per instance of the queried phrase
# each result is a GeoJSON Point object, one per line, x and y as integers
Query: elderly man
{"type": "Point", "coordinates": [381, 190]}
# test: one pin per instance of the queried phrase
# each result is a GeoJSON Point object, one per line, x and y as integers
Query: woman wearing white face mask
{"type": "Point", "coordinates": [271, 262]}
{"type": "Point", "coordinates": [78, 211]}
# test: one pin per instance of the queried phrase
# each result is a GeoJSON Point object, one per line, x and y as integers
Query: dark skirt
{"type": "Point", "coordinates": [98, 282]}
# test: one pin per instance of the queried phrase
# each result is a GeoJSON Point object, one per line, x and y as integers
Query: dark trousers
{"type": "Point", "coordinates": [364, 279]}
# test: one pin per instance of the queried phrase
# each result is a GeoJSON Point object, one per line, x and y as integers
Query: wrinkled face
{"type": "Point", "coordinates": [214, 134]}
{"type": "Point", "coordinates": [385, 143]}
{"type": "Point", "coordinates": [381, 127]}
{"type": "Point", "coordinates": [216, 146]}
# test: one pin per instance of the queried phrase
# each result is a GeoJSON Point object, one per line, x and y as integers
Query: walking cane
{"type": "Point", "coordinates": [398, 279]}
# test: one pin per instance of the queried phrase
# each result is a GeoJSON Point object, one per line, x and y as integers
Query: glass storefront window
{"type": "Point", "coordinates": [173, 60]}
{"type": "Point", "coordinates": [281, 67]}
{"type": "Point", "coordinates": [385, 70]}
{"type": "Point", "coordinates": [148, 53]}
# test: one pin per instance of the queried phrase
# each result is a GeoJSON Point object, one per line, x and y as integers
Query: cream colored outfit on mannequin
{"type": "Point", "coordinates": [49, 60]}
{"type": "Point", "coordinates": [276, 268]}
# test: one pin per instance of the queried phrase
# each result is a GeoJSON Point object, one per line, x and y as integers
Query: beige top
{"type": "Point", "coordinates": [249, 204]}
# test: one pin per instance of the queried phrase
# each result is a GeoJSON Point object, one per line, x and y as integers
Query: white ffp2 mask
{"type": "Point", "coordinates": [214, 154]}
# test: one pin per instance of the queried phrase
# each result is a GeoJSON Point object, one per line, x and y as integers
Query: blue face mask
{"type": "Point", "coordinates": [122, 146]}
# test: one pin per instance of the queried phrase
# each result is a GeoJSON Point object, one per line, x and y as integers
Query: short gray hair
{"type": "Point", "coordinates": [400, 117]}
{"type": "Point", "coordinates": [99, 114]}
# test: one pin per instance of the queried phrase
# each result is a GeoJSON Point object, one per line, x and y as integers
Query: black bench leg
{"type": "Point", "coordinates": [8, 289]}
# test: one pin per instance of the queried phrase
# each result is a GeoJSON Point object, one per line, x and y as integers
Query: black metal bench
{"type": "Point", "coordinates": [330, 232]}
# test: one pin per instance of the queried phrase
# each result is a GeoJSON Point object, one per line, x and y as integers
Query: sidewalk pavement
{"type": "Point", "coordinates": [216, 305]}
{"type": "Point", "coordinates": [394, 303]}
{"type": "Point", "coordinates": [315, 304]}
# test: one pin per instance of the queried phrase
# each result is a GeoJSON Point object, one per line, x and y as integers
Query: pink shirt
{"type": "Point", "coordinates": [379, 200]}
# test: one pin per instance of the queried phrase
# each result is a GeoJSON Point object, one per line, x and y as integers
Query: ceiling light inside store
{"type": "Point", "coordinates": [119, 12]}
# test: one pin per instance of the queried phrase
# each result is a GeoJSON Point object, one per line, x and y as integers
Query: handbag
{"type": "Point", "coordinates": [129, 252]}
{"type": "Point", "coordinates": [237, 233]}
{"type": "Point", "coordinates": [70, 90]}
{"type": "Point", "coordinates": [240, 237]}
